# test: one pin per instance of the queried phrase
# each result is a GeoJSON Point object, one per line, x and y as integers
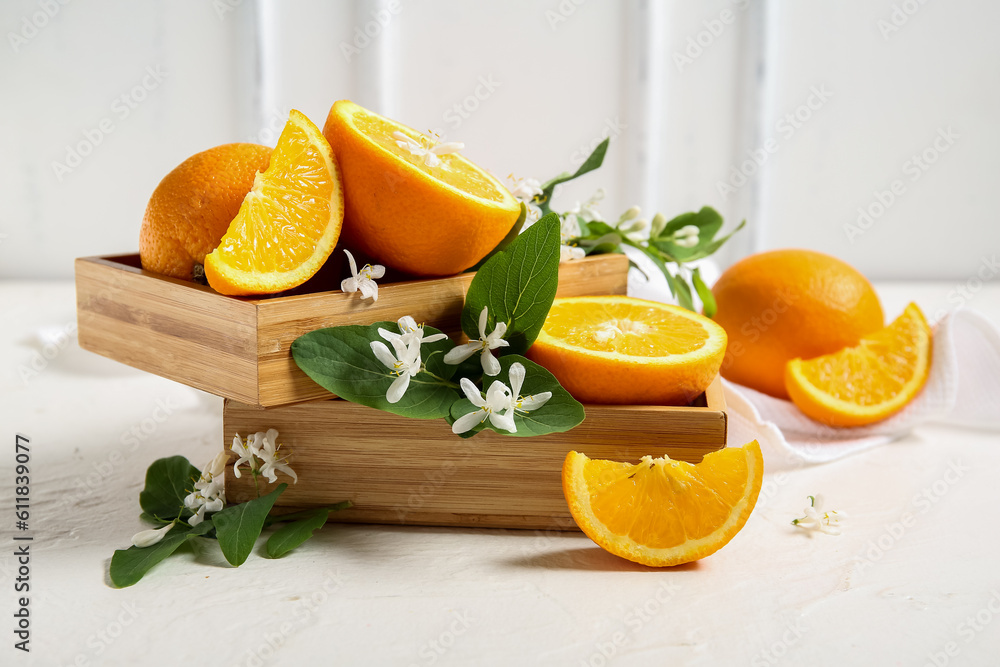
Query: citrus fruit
{"type": "Point", "coordinates": [783, 304]}
{"type": "Point", "coordinates": [288, 223]}
{"type": "Point", "coordinates": [662, 512]}
{"type": "Point", "coordinates": [191, 208]}
{"type": "Point", "coordinates": [867, 382]}
{"type": "Point", "coordinates": [426, 219]}
{"type": "Point", "coordinates": [618, 349]}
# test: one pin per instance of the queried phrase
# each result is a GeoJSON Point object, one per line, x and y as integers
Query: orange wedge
{"type": "Point", "coordinates": [618, 349]}
{"type": "Point", "coordinates": [663, 512]}
{"type": "Point", "coordinates": [426, 214]}
{"type": "Point", "coordinates": [868, 382]}
{"type": "Point", "coordinates": [288, 223]}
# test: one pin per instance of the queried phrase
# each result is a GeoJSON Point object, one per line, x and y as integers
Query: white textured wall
{"type": "Point", "coordinates": [685, 89]}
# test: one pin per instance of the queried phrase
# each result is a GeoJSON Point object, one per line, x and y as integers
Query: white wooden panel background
{"type": "Point", "coordinates": [559, 75]}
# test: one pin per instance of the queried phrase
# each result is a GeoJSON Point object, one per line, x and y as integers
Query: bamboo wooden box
{"type": "Point", "coordinates": [408, 471]}
{"type": "Point", "coordinates": [238, 348]}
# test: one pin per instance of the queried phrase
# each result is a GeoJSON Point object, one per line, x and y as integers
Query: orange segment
{"type": "Point", "coordinates": [191, 208]}
{"type": "Point", "coordinates": [430, 220]}
{"type": "Point", "coordinates": [618, 349]}
{"type": "Point", "coordinates": [868, 382]}
{"type": "Point", "coordinates": [288, 223]}
{"type": "Point", "coordinates": [663, 512]}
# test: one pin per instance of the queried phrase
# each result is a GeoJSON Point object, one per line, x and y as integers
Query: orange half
{"type": "Point", "coordinates": [618, 349]}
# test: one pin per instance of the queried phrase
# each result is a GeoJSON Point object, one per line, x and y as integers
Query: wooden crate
{"type": "Point", "coordinates": [238, 348]}
{"type": "Point", "coordinates": [408, 471]}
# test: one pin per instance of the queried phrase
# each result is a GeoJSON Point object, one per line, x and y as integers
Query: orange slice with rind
{"type": "Point", "coordinates": [868, 382]}
{"type": "Point", "coordinates": [662, 512]}
{"type": "Point", "coordinates": [288, 223]}
{"type": "Point", "coordinates": [619, 349]}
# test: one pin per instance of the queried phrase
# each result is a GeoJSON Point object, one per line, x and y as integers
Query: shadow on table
{"type": "Point", "coordinates": [594, 559]}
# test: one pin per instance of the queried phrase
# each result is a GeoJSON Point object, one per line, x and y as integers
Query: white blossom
{"type": "Point", "coordinates": [484, 344]}
{"type": "Point", "coordinates": [816, 519]}
{"type": "Point", "coordinates": [409, 330]}
{"type": "Point", "coordinates": [363, 280]}
{"type": "Point", "coordinates": [404, 364]}
{"type": "Point", "coordinates": [588, 210]}
{"type": "Point", "coordinates": [148, 538]}
{"type": "Point", "coordinates": [568, 253]}
{"type": "Point", "coordinates": [495, 406]}
{"type": "Point", "coordinates": [527, 189]}
{"type": "Point", "coordinates": [271, 460]}
{"type": "Point", "coordinates": [524, 403]}
{"type": "Point", "coordinates": [686, 236]}
{"type": "Point", "coordinates": [430, 155]}
{"type": "Point", "coordinates": [209, 494]}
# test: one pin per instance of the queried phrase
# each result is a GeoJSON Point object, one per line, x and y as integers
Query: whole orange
{"type": "Point", "coordinates": [191, 208]}
{"type": "Point", "coordinates": [785, 304]}
{"type": "Point", "coordinates": [429, 215]}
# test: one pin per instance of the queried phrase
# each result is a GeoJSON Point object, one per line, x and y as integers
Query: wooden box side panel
{"type": "Point", "coordinates": [404, 471]}
{"type": "Point", "coordinates": [438, 303]}
{"type": "Point", "coordinates": [167, 327]}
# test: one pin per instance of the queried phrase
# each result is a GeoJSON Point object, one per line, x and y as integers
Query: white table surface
{"type": "Point", "coordinates": [879, 594]}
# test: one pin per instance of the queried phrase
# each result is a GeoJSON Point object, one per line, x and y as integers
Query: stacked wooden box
{"type": "Point", "coordinates": [394, 470]}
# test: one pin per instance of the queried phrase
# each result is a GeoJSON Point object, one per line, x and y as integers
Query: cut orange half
{"type": "Point", "coordinates": [663, 512]}
{"type": "Point", "coordinates": [868, 382]}
{"type": "Point", "coordinates": [618, 349]}
{"type": "Point", "coordinates": [288, 223]}
{"type": "Point", "coordinates": [411, 204]}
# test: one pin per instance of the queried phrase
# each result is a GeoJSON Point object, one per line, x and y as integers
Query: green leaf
{"type": "Point", "coordinates": [592, 162]}
{"type": "Point", "coordinates": [705, 294]}
{"type": "Point", "coordinates": [680, 289]}
{"type": "Point", "coordinates": [295, 533]}
{"type": "Point", "coordinates": [237, 527]}
{"type": "Point", "coordinates": [560, 413]}
{"type": "Point", "coordinates": [708, 221]}
{"type": "Point", "coordinates": [302, 514]}
{"type": "Point", "coordinates": [168, 481]}
{"type": "Point", "coordinates": [518, 286]}
{"type": "Point", "coordinates": [710, 248]}
{"type": "Point", "coordinates": [340, 359]}
{"type": "Point", "coordinates": [129, 565]}
{"type": "Point", "coordinates": [507, 240]}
